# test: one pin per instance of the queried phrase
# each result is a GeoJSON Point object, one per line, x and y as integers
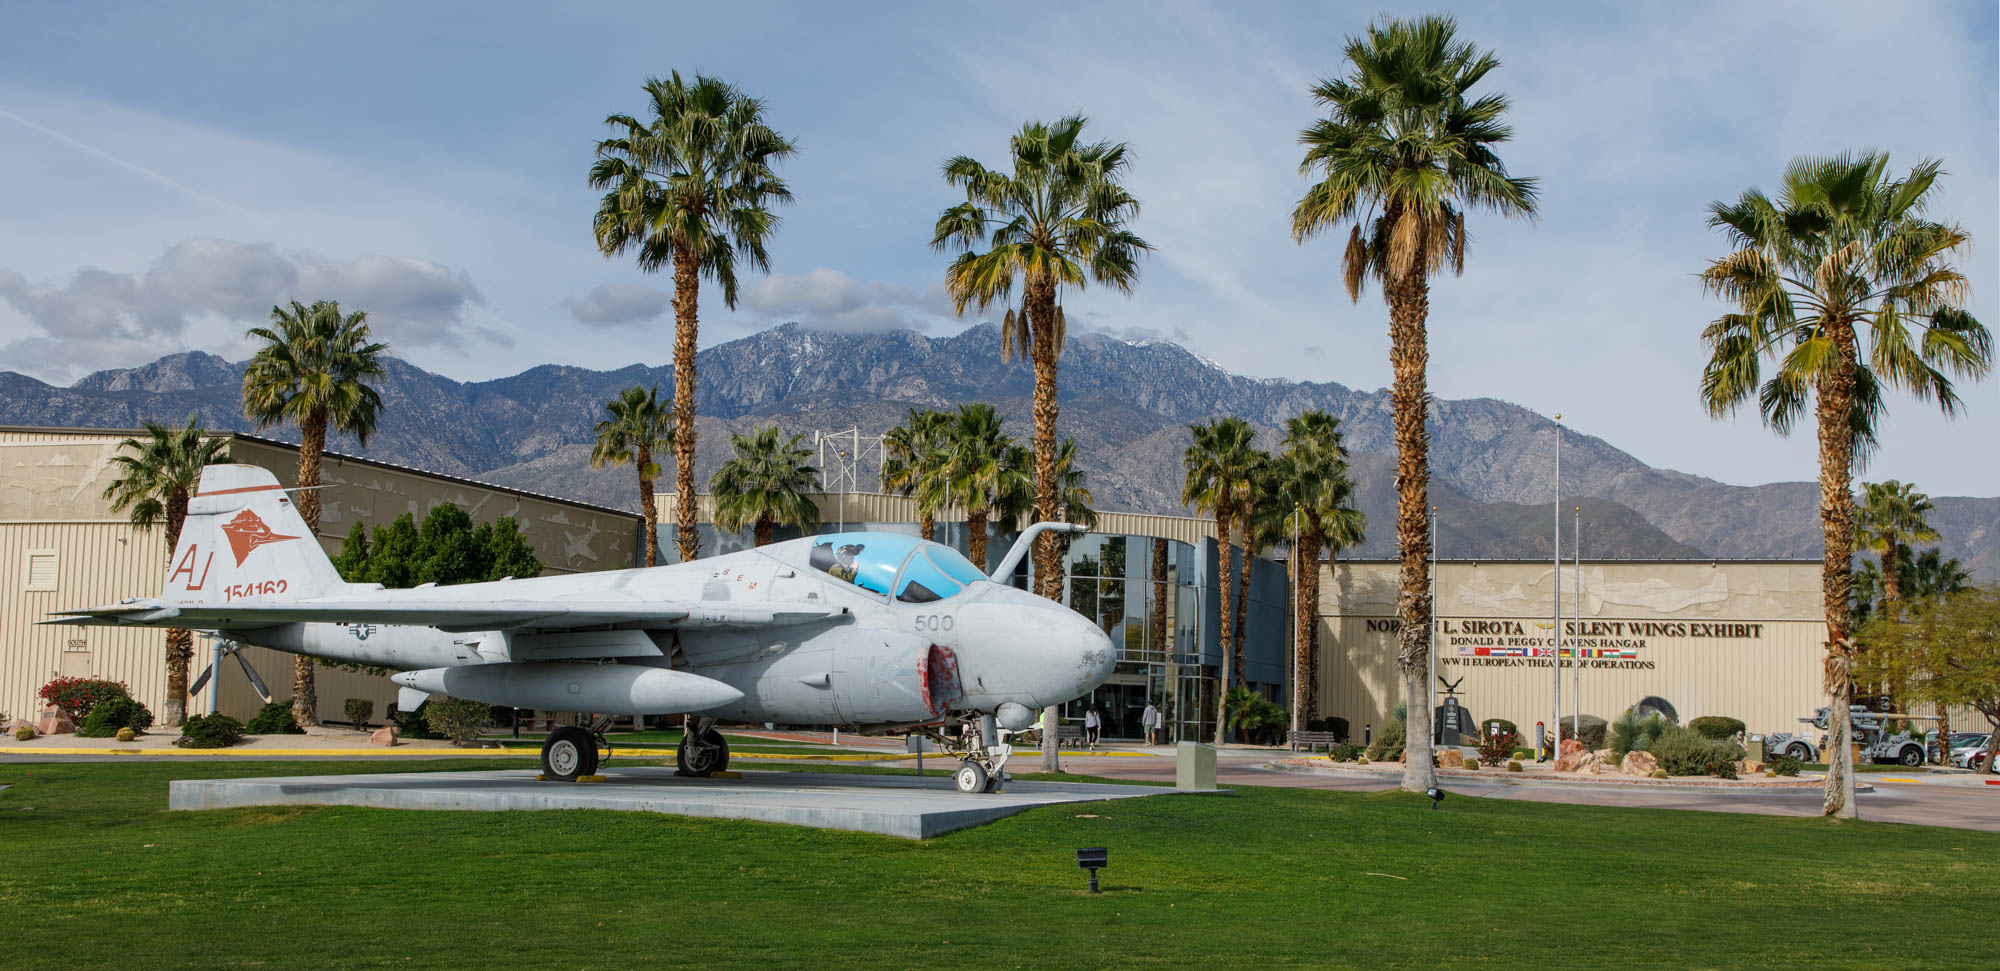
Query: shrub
{"type": "Point", "coordinates": [1684, 751]}
{"type": "Point", "coordinates": [1592, 731]}
{"type": "Point", "coordinates": [410, 724]}
{"type": "Point", "coordinates": [1514, 766]}
{"type": "Point", "coordinates": [1521, 753]}
{"type": "Point", "coordinates": [1361, 760]}
{"type": "Point", "coordinates": [1338, 726]}
{"type": "Point", "coordinates": [1785, 765]}
{"type": "Point", "coordinates": [126, 735]}
{"type": "Point", "coordinates": [210, 731]}
{"type": "Point", "coordinates": [1717, 726]}
{"type": "Point", "coordinates": [112, 715]}
{"type": "Point", "coordinates": [1472, 765]}
{"type": "Point", "coordinates": [1315, 724]}
{"type": "Point", "coordinates": [77, 696]}
{"type": "Point", "coordinates": [24, 733]}
{"type": "Point", "coordinates": [1634, 732]}
{"type": "Point", "coordinates": [275, 718]}
{"type": "Point", "coordinates": [1506, 727]}
{"type": "Point", "coordinates": [1388, 742]}
{"type": "Point", "coordinates": [1342, 752]}
{"type": "Point", "coordinates": [1496, 749]}
{"type": "Point", "coordinates": [358, 710]}
{"type": "Point", "coordinates": [457, 719]}
{"type": "Point", "coordinates": [1659, 773]}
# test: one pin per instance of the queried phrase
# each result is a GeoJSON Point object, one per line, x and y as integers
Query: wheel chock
{"type": "Point", "coordinates": [539, 777]}
{"type": "Point", "coordinates": [726, 774]}
{"type": "Point", "coordinates": [590, 778]}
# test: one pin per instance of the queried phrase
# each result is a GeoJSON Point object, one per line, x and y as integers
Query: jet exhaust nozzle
{"type": "Point", "coordinates": [616, 689]}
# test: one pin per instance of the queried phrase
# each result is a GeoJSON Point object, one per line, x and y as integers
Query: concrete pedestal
{"type": "Point", "coordinates": [1194, 766]}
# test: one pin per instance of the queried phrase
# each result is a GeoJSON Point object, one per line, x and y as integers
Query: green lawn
{"type": "Point", "coordinates": [94, 871]}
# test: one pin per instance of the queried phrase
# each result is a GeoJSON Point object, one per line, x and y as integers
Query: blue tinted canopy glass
{"type": "Point", "coordinates": [917, 571]}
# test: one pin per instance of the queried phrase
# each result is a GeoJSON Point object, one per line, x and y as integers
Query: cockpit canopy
{"type": "Point", "coordinates": [916, 571]}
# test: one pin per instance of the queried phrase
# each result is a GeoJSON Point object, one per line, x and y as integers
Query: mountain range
{"type": "Point", "coordinates": [1128, 404]}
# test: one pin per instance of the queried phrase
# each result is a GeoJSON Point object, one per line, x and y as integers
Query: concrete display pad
{"type": "Point", "coordinates": [906, 806]}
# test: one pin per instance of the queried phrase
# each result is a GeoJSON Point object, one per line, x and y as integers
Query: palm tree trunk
{"type": "Point", "coordinates": [1409, 359]}
{"type": "Point", "coordinates": [312, 442]}
{"type": "Point", "coordinates": [1226, 568]}
{"type": "Point", "coordinates": [1159, 607]}
{"type": "Point", "coordinates": [975, 537]}
{"type": "Point", "coordinates": [1305, 620]}
{"type": "Point", "coordinates": [645, 459]}
{"type": "Point", "coordinates": [687, 286]}
{"type": "Point", "coordinates": [927, 527]}
{"type": "Point", "coordinates": [765, 525]}
{"type": "Point", "coordinates": [1836, 516]}
{"type": "Point", "coordinates": [1243, 594]}
{"type": "Point", "coordinates": [180, 643]}
{"type": "Point", "coordinates": [1039, 301]}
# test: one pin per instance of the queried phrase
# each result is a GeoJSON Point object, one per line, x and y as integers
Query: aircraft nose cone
{"type": "Point", "coordinates": [1024, 648]}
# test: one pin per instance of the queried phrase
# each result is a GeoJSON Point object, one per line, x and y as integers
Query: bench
{"type": "Point", "coordinates": [1313, 740]}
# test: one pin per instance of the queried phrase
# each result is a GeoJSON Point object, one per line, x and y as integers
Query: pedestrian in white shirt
{"type": "Point", "coordinates": [1093, 726]}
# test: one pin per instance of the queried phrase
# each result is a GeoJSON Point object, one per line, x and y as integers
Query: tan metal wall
{"type": "Point", "coordinates": [1726, 638]}
{"type": "Point", "coordinates": [51, 486]}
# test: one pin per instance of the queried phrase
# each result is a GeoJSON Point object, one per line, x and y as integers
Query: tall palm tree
{"type": "Point", "coordinates": [913, 462]}
{"type": "Point", "coordinates": [313, 370]}
{"type": "Point", "coordinates": [156, 475]}
{"type": "Point", "coordinates": [638, 427]}
{"type": "Point", "coordinates": [1404, 152]}
{"type": "Point", "coordinates": [1834, 279]}
{"type": "Point", "coordinates": [1891, 519]}
{"type": "Point", "coordinates": [1311, 497]}
{"type": "Point", "coordinates": [985, 474]}
{"type": "Point", "coordinates": [1932, 576]}
{"type": "Point", "coordinates": [1056, 216]}
{"type": "Point", "coordinates": [691, 186]}
{"type": "Point", "coordinates": [1073, 498]}
{"type": "Point", "coordinates": [770, 482]}
{"type": "Point", "coordinates": [1251, 485]}
{"type": "Point", "coordinates": [1212, 481]}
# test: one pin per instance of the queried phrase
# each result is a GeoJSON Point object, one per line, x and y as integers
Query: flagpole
{"type": "Point", "coordinates": [1555, 629]}
{"type": "Point", "coordinates": [1576, 656]}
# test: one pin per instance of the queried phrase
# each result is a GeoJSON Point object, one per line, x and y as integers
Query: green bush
{"type": "Point", "coordinates": [1514, 766]}
{"type": "Point", "coordinates": [358, 712]}
{"type": "Point", "coordinates": [1592, 729]}
{"type": "Point", "coordinates": [1389, 742]}
{"type": "Point", "coordinates": [1632, 732]}
{"type": "Point", "coordinates": [210, 731]}
{"type": "Point", "coordinates": [126, 735]}
{"type": "Point", "coordinates": [1684, 751]}
{"type": "Point", "coordinates": [1659, 773]}
{"type": "Point", "coordinates": [1717, 726]}
{"type": "Point", "coordinates": [1521, 753]}
{"type": "Point", "coordinates": [275, 718]}
{"type": "Point", "coordinates": [1506, 727]}
{"type": "Point", "coordinates": [77, 696]}
{"type": "Point", "coordinates": [457, 719]}
{"type": "Point", "coordinates": [411, 724]}
{"type": "Point", "coordinates": [113, 714]}
{"type": "Point", "coordinates": [24, 733]}
{"type": "Point", "coordinates": [1471, 765]}
{"type": "Point", "coordinates": [1338, 726]}
{"type": "Point", "coordinates": [1785, 765]}
{"type": "Point", "coordinates": [1315, 724]}
{"type": "Point", "coordinates": [1342, 752]}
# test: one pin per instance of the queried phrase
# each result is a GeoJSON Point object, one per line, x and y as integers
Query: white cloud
{"type": "Point", "coordinates": [613, 304]}
{"type": "Point", "coordinates": [824, 299]}
{"type": "Point", "coordinates": [99, 316]}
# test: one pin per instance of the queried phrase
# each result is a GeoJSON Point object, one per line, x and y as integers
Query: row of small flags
{"type": "Point", "coordinates": [1588, 652]}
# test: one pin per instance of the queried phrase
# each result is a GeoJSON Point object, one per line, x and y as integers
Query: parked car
{"type": "Point", "coordinates": [1974, 751]}
{"type": "Point", "coordinates": [1959, 740]}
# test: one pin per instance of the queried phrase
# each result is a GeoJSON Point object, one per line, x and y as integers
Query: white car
{"type": "Point", "coordinates": [1963, 755]}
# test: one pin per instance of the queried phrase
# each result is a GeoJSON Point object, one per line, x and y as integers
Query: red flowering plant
{"type": "Point", "coordinates": [77, 696]}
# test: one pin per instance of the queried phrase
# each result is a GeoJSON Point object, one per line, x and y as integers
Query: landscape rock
{"type": "Point", "coordinates": [54, 722]}
{"type": "Point", "coordinates": [1638, 763]}
{"type": "Point", "coordinates": [1451, 758]}
{"type": "Point", "coordinates": [1569, 746]}
{"type": "Point", "coordinates": [386, 735]}
{"type": "Point", "coordinates": [1749, 767]}
{"type": "Point", "coordinates": [1570, 761]}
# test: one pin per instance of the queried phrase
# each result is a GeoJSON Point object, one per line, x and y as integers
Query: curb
{"type": "Point", "coordinates": [1500, 779]}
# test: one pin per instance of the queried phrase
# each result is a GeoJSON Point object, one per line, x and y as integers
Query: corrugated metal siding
{"type": "Point", "coordinates": [95, 563]}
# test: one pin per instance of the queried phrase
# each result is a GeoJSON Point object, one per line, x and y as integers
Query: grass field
{"type": "Point", "coordinates": [94, 871]}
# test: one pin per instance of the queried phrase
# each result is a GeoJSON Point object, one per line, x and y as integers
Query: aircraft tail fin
{"type": "Point", "coordinates": [244, 538]}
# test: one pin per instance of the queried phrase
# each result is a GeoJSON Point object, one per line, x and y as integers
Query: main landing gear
{"type": "Point", "coordinates": [985, 766]}
{"type": "Point", "coordinates": [703, 751]}
{"type": "Point", "coordinates": [567, 753]}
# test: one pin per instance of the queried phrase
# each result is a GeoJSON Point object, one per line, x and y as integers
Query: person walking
{"type": "Point", "coordinates": [1093, 725]}
{"type": "Point", "coordinates": [1150, 721]}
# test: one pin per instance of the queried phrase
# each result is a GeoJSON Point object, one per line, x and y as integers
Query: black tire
{"type": "Point", "coordinates": [971, 777]}
{"type": "Point", "coordinates": [1911, 756]}
{"type": "Point", "coordinates": [705, 761]}
{"type": "Point", "coordinates": [567, 753]}
{"type": "Point", "coordinates": [1800, 752]}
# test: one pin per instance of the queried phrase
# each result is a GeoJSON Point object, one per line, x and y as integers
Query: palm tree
{"type": "Point", "coordinates": [1311, 497]}
{"type": "Point", "coordinates": [1931, 576]}
{"type": "Point", "coordinates": [985, 474]}
{"type": "Point", "coordinates": [1832, 279]}
{"type": "Point", "coordinates": [1056, 216]}
{"type": "Point", "coordinates": [1250, 486]}
{"type": "Point", "coordinates": [1214, 464]}
{"type": "Point", "coordinates": [638, 427]}
{"type": "Point", "coordinates": [912, 463]}
{"type": "Point", "coordinates": [1073, 496]}
{"type": "Point", "coordinates": [156, 475]}
{"type": "Point", "coordinates": [1403, 153]}
{"type": "Point", "coordinates": [770, 482]}
{"type": "Point", "coordinates": [692, 186]}
{"type": "Point", "coordinates": [313, 370]}
{"type": "Point", "coordinates": [1891, 519]}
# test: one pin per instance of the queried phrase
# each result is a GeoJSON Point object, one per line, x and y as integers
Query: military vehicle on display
{"type": "Point", "coordinates": [1868, 729]}
{"type": "Point", "coordinates": [873, 631]}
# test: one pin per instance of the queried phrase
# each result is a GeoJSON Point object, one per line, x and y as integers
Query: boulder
{"type": "Point", "coordinates": [1640, 764]}
{"type": "Point", "coordinates": [1451, 758]}
{"type": "Point", "coordinates": [54, 722]}
{"type": "Point", "coordinates": [1749, 767]}
{"type": "Point", "coordinates": [1570, 761]}
{"type": "Point", "coordinates": [386, 735]}
{"type": "Point", "coordinates": [1569, 746]}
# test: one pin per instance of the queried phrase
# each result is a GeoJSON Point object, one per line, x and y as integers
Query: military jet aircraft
{"type": "Point", "coordinates": [871, 630]}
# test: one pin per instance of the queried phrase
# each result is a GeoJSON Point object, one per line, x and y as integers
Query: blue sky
{"type": "Point", "coordinates": [169, 170]}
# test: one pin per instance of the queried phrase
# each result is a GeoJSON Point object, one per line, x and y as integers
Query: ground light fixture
{"type": "Point", "coordinates": [1093, 858]}
{"type": "Point", "coordinates": [1436, 794]}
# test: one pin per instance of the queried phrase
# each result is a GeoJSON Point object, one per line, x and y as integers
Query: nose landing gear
{"type": "Point", "coordinates": [985, 766]}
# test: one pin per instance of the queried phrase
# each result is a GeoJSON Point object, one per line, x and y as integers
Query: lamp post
{"type": "Point", "coordinates": [1298, 684]}
{"type": "Point", "coordinates": [1431, 655]}
{"type": "Point", "coordinates": [1555, 629]}
{"type": "Point", "coordinates": [1576, 655]}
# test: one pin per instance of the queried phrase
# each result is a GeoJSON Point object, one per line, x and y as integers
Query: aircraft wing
{"type": "Point", "coordinates": [449, 614]}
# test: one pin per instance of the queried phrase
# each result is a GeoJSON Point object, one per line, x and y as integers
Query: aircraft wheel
{"type": "Point", "coordinates": [971, 777]}
{"type": "Point", "coordinates": [568, 752]}
{"type": "Point", "coordinates": [706, 759]}
{"type": "Point", "coordinates": [1911, 755]}
{"type": "Point", "coordinates": [1800, 752]}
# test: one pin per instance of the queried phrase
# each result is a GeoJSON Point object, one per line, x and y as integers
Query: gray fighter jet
{"type": "Point", "coordinates": [868, 630]}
